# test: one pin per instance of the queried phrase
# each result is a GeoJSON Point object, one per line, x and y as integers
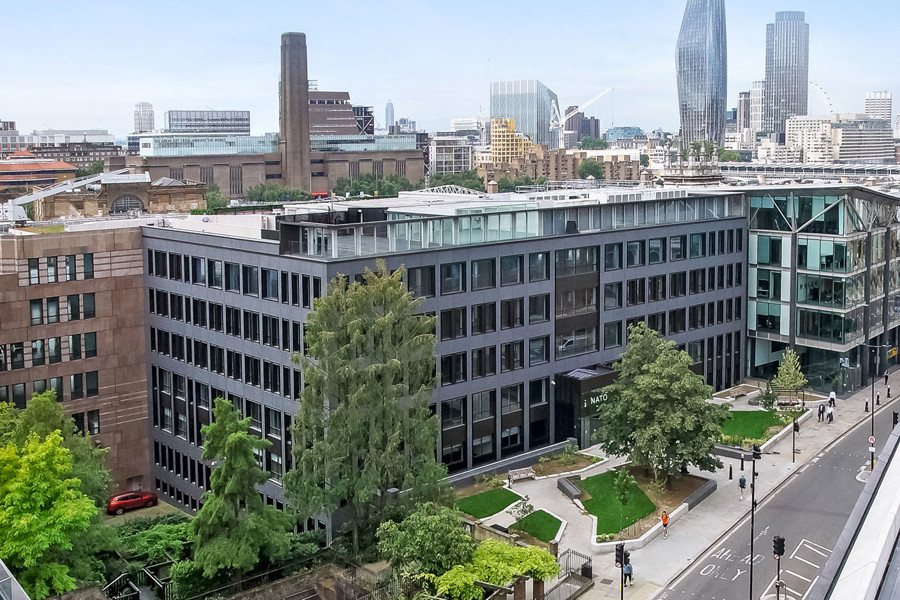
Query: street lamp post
{"type": "Point", "coordinates": [875, 348]}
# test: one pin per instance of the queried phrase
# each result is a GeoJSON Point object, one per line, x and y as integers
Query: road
{"type": "Point", "coordinates": [809, 510]}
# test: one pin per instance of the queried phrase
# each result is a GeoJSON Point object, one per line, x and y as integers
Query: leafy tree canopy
{"type": "Point", "coordinates": [590, 168]}
{"type": "Point", "coordinates": [369, 380]}
{"type": "Point", "coordinates": [430, 540]}
{"type": "Point", "coordinates": [593, 143]}
{"type": "Point", "coordinates": [372, 185]}
{"type": "Point", "coordinates": [657, 410]}
{"type": "Point", "coordinates": [790, 375]}
{"type": "Point", "coordinates": [235, 529]}
{"type": "Point", "coordinates": [95, 169]}
{"type": "Point", "coordinates": [214, 198]}
{"type": "Point", "coordinates": [466, 179]}
{"type": "Point", "coordinates": [509, 184]}
{"type": "Point", "coordinates": [728, 155]}
{"type": "Point", "coordinates": [272, 193]}
{"type": "Point", "coordinates": [41, 511]}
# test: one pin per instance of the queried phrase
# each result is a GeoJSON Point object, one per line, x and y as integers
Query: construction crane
{"type": "Point", "coordinates": [824, 96]}
{"type": "Point", "coordinates": [558, 121]}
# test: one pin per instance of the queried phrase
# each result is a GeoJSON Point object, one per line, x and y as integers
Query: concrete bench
{"type": "Point", "coordinates": [568, 487]}
{"type": "Point", "coordinates": [517, 474]}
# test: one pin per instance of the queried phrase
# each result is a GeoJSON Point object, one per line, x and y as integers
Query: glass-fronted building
{"type": "Point", "coordinates": [824, 278]}
{"type": "Point", "coordinates": [529, 102]}
{"type": "Point", "coordinates": [787, 69]}
{"type": "Point", "coordinates": [702, 60]}
{"type": "Point", "coordinates": [236, 122]}
{"type": "Point", "coordinates": [187, 144]}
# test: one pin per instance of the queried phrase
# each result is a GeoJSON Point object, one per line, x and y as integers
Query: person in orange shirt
{"type": "Point", "coordinates": [665, 522]}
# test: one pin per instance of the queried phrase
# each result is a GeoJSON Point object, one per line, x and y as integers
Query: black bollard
{"type": "Point", "coordinates": [889, 391]}
{"type": "Point", "coordinates": [730, 476]}
{"type": "Point", "coordinates": [877, 398]}
{"type": "Point", "coordinates": [742, 462]}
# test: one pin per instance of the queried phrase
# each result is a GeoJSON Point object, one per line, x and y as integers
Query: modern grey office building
{"type": "Point", "coordinates": [529, 102]}
{"type": "Point", "coordinates": [787, 69]}
{"type": "Point", "coordinates": [702, 59]}
{"type": "Point", "coordinates": [533, 293]}
{"type": "Point", "coordinates": [234, 122]}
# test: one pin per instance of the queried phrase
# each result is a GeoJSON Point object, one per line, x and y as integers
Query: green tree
{"type": "Point", "coordinates": [590, 167]}
{"type": "Point", "coordinates": [790, 375]}
{"type": "Point", "coordinates": [430, 540]}
{"type": "Point", "coordinates": [466, 179]}
{"type": "Point", "coordinates": [728, 155]}
{"type": "Point", "coordinates": [593, 143]}
{"type": "Point", "coordinates": [214, 198]}
{"type": "Point", "coordinates": [509, 184]}
{"type": "Point", "coordinates": [768, 398]}
{"type": "Point", "coordinates": [645, 160]}
{"type": "Point", "coordinates": [95, 169]}
{"type": "Point", "coordinates": [372, 185]}
{"type": "Point", "coordinates": [625, 485]}
{"type": "Point", "coordinates": [369, 380]}
{"type": "Point", "coordinates": [235, 529]}
{"type": "Point", "coordinates": [272, 193]}
{"type": "Point", "coordinates": [44, 415]}
{"type": "Point", "coordinates": [41, 512]}
{"type": "Point", "coordinates": [657, 410]}
{"type": "Point", "coordinates": [521, 509]}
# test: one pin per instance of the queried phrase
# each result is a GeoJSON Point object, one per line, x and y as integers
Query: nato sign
{"type": "Point", "coordinates": [593, 399]}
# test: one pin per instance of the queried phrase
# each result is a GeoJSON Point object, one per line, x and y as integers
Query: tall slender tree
{"type": "Point", "coordinates": [364, 432]}
{"type": "Point", "coordinates": [235, 529]}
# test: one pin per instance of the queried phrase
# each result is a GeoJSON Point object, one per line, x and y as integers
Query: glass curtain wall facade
{"type": "Point", "coordinates": [702, 71]}
{"type": "Point", "coordinates": [787, 69]}
{"type": "Point", "coordinates": [528, 102]}
{"type": "Point", "coordinates": [208, 121]}
{"type": "Point", "coordinates": [824, 277]}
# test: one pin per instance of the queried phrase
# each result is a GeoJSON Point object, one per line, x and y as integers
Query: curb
{"type": "Point", "coordinates": [577, 471]}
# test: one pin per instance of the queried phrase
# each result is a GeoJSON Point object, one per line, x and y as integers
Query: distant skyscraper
{"type": "Point", "coordinates": [528, 103]}
{"type": "Point", "coordinates": [389, 115]}
{"type": "Point", "coordinates": [787, 69]}
{"type": "Point", "coordinates": [143, 117]}
{"type": "Point", "coordinates": [743, 111]}
{"type": "Point", "coordinates": [879, 105]}
{"type": "Point", "coordinates": [702, 71]}
{"type": "Point", "coordinates": [757, 105]}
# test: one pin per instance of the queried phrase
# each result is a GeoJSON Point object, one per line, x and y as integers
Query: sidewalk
{"type": "Point", "coordinates": [659, 563]}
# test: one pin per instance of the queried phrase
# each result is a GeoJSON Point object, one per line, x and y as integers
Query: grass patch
{"type": "Point", "coordinates": [44, 229]}
{"type": "Point", "coordinates": [539, 524]}
{"type": "Point", "coordinates": [750, 423]}
{"type": "Point", "coordinates": [487, 503]}
{"type": "Point", "coordinates": [604, 504]}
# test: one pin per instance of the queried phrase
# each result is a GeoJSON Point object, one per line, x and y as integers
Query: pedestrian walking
{"type": "Point", "coordinates": [742, 483]}
{"type": "Point", "coordinates": [831, 398]}
{"type": "Point", "coordinates": [628, 571]}
{"type": "Point", "coordinates": [665, 522]}
{"type": "Point", "coordinates": [829, 412]}
{"type": "Point", "coordinates": [821, 413]}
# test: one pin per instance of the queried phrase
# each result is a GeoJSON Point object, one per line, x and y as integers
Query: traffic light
{"type": "Point", "coordinates": [796, 427]}
{"type": "Point", "coordinates": [757, 452]}
{"type": "Point", "coordinates": [778, 545]}
{"type": "Point", "coordinates": [896, 418]}
{"type": "Point", "coordinates": [620, 554]}
{"type": "Point", "coordinates": [627, 557]}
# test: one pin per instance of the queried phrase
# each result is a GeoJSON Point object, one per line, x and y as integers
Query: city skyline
{"type": "Point", "coordinates": [238, 67]}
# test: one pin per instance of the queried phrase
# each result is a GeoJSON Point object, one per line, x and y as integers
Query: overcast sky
{"type": "Point", "coordinates": [74, 65]}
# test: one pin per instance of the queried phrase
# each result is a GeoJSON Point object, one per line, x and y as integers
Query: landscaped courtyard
{"type": "Point", "coordinates": [604, 504]}
{"type": "Point", "coordinates": [540, 525]}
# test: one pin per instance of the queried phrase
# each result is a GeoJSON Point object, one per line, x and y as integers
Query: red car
{"type": "Point", "coordinates": [129, 500]}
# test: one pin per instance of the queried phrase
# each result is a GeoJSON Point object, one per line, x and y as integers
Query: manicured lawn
{"type": "Point", "coordinates": [540, 525]}
{"type": "Point", "coordinates": [487, 503]}
{"type": "Point", "coordinates": [749, 423]}
{"type": "Point", "coordinates": [604, 504]}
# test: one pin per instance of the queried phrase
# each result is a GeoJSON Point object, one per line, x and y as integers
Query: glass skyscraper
{"type": "Point", "coordinates": [528, 102]}
{"type": "Point", "coordinates": [787, 69]}
{"type": "Point", "coordinates": [702, 71]}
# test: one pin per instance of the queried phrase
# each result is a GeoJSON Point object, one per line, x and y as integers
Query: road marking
{"type": "Point", "coordinates": [806, 561]}
{"type": "Point", "coordinates": [798, 575]}
{"type": "Point", "coordinates": [819, 552]}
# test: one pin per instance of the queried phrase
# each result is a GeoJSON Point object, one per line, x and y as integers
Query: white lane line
{"type": "Point", "coordinates": [797, 575]}
{"type": "Point", "coordinates": [811, 586]}
{"type": "Point", "coordinates": [807, 562]}
{"type": "Point", "coordinates": [820, 553]}
{"type": "Point", "coordinates": [795, 592]}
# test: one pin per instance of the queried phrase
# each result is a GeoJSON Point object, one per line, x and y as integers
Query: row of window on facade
{"type": "Point", "coordinates": [81, 385]}
{"type": "Point", "coordinates": [47, 310]}
{"type": "Point", "coordinates": [49, 351]}
{"type": "Point", "coordinates": [270, 376]}
{"type": "Point", "coordinates": [57, 269]}
{"type": "Point", "coordinates": [268, 284]}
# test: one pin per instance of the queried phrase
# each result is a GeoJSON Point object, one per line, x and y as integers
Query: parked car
{"type": "Point", "coordinates": [130, 500]}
